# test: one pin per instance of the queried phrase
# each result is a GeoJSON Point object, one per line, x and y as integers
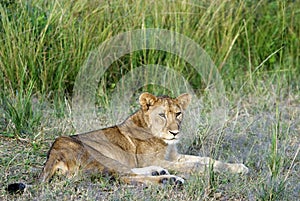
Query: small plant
{"type": "Point", "coordinates": [19, 112]}
{"type": "Point", "coordinates": [273, 188]}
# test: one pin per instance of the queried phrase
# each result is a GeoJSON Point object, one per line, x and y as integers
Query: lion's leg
{"type": "Point", "coordinates": [68, 155]}
{"type": "Point", "coordinates": [189, 163]}
{"type": "Point", "coordinates": [149, 180]}
{"type": "Point", "coordinates": [62, 156]}
{"type": "Point", "coordinates": [151, 175]}
{"type": "Point", "coordinates": [51, 166]}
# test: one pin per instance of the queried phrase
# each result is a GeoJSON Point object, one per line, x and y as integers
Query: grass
{"type": "Point", "coordinates": [254, 45]}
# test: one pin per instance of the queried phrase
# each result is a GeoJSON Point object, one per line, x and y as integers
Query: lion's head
{"type": "Point", "coordinates": [163, 115]}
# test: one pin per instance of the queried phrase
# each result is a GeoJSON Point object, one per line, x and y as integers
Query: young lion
{"type": "Point", "coordinates": [140, 150]}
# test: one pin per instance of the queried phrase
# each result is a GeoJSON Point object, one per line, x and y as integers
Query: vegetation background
{"type": "Point", "coordinates": [255, 45]}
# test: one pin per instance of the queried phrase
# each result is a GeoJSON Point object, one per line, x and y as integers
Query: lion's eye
{"type": "Point", "coordinates": [178, 114]}
{"type": "Point", "coordinates": [162, 115]}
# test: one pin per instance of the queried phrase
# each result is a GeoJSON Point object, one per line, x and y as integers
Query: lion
{"type": "Point", "coordinates": [142, 149]}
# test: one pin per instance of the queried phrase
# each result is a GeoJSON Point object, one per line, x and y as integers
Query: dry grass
{"type": "Point", "coordinates": [247, 137]}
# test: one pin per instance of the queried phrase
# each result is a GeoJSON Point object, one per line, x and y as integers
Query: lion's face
{"type": "Point", "coordinates": [163, 115]}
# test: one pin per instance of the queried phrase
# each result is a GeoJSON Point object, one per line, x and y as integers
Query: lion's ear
{"type": "Point", "coordinates": [146, 100]}
{"type": "Point", "coordinates": [184, 100]}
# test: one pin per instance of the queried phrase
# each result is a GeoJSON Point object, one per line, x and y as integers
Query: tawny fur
{"type": "Point", "coordinates": [143, 144]}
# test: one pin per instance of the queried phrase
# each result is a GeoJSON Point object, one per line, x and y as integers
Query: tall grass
{"type": "Point", "coordinates": [274, 187]}
{"type": "Point", "coordinates": [50, 40]}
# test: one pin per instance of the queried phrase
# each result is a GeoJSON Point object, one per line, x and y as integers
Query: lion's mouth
{"type": "Point", "coordinates": [171, 140]}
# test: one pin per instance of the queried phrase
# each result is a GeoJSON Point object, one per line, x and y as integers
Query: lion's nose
{"type": "Point", "coordinates": [174, 132]}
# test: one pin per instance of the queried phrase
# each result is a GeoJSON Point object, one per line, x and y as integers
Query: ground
{"type": "Point", "coordinates": [262, 132]}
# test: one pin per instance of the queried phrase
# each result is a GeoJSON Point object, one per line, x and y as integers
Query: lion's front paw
{"type": "Point", "coordinates": [172, 180]}
{"type": "Point", "coordinates": [150, 171]}
{"type": "Point", "coordinates": [160, 172]}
